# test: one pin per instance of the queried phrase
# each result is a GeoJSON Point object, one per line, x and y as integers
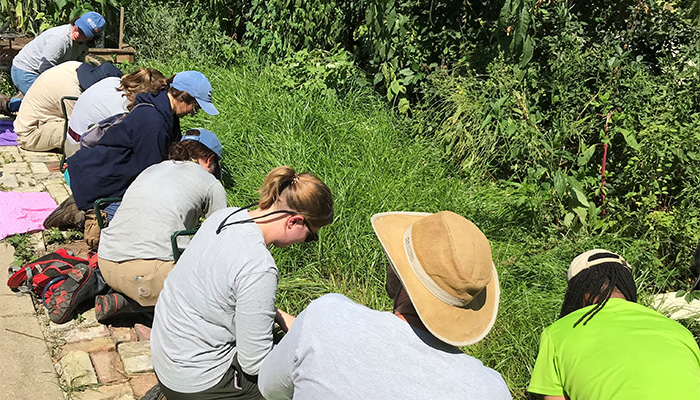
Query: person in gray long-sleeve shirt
{"type": "Point", "coordinates": [213, 319]}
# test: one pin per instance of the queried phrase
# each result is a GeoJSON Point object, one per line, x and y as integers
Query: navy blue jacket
{"type": "Point", "coordinates": [139, 141]}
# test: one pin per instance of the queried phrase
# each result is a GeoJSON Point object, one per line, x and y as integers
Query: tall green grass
{"type": "Point", "coordinates": [372, 164]}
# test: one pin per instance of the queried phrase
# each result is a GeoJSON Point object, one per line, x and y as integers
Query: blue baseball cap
{"type": "Point", "coordinates": [88, 74]}
{"type": "Point", "coordinates": [198, 86]}
{"type": "Point", "coordinates": [91, 24]}
{"type": "Point", "coordinates": [207, 138]}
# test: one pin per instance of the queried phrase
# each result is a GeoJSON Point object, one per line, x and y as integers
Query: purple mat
{"type": "Point", "coordinates": [8, 137]}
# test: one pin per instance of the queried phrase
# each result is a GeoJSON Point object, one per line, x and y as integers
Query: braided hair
{"type": "Point", "coordinates": [595, 285]}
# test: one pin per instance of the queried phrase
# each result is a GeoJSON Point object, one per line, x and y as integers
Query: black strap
{"type": "Point", "coordinates": [223, 223]}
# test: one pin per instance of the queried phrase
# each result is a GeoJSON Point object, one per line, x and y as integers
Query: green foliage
{"type": "Point", "coordinates": [279, 27]}
{"type": "Point", "coordinates": [55, 236]}
{"type": "Point", "coordinates": [615, 76]}
{"type": "Point", "coordinates": [689, 295]}
{"type": "Point", "coordinates": [23, 248]}
{"type": "Point", "coordinates": [163, 30]}
{"type": "Point", "coordinates": [35, 16]}
{"type": "Point", "coordinates": [320, 71]}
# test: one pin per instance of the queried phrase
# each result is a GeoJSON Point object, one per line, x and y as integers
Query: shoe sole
{"type": "Point", "coordinates": [79, 286]}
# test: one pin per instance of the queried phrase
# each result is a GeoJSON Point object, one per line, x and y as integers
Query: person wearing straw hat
{"type": "Point", "coordinates": [606, 346]}
{"type": "Point", "coordinates": [445, 290]}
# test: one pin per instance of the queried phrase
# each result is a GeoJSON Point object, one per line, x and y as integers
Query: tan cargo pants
{"type": "Point", "coordinates": [140, 280]}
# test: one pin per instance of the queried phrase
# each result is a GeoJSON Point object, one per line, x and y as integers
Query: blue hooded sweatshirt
{"type": "Point", "coordinates": [139, 141]}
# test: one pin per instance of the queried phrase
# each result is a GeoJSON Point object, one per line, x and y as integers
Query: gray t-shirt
{"type": "Point", "coordinates": [338, 349]}
{"type": "Point", "coordinates": [166, 197]}
{"type": "Point", "coordinates": [50, 48]}
{"type": "Point", "coordinates": [218, 303]}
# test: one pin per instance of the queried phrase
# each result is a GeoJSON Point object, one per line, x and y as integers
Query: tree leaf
{"type": "Point", "coordinates": [630, 139]}
{"type": "Point", "coordinates": [568, 219]}
{"type": "Point", "coordinates": [560, 183]}
{"type": "Point", "coordinates": [528, 51]}
{"type": "Point", "coordinates": [579, 196]}
{"type": "Point", "coordinates": [586, 156]}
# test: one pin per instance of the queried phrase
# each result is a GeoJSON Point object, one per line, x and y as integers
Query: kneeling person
{"type": "Point", "coordinates": [135, 253]}
{"type": "Point", "coordinates": [446, 293]}
{"type": "Point", "coordinates": [606, 346]}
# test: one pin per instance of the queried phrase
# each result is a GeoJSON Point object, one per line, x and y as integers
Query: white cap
{"type": "Point", "coordinates": [583, 261]}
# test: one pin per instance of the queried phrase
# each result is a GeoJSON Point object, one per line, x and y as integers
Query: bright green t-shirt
{"type": "Point", "coordinates": [627, 351]}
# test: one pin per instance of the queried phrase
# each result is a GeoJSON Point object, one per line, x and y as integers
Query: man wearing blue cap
{"type": "Point", "coordinates": [53, 47]}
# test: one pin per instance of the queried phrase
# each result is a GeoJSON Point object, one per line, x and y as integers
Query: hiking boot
{"type": "Point", "coordinates": [109, 305]}
{"type": "Point", "coordinates": [66, 216]}
{"type": "Point", "coordinates": [116, 304]}
{"type": "Point", "coordinates": [80, 284]}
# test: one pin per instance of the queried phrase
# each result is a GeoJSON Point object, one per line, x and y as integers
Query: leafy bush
{"type": "Point", "coordinates": [164, 30]}
{"type": "Point", "coordinates": [35, 16]}
{"type": "Point", "coordinates": [595, 88]}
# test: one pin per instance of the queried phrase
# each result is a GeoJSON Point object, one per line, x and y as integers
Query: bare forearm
{"type": "Point", "coordinates": [284, 320]}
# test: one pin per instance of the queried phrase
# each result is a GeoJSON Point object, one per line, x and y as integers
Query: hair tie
{"type": "Point", "coordinates": [295, 178]}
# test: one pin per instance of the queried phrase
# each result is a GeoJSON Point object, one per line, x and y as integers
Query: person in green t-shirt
{"type": "Point", "coordinates": [606, 346]}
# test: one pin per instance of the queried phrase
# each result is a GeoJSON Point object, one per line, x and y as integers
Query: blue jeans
{"type": "Point", "coordinates": [111, 209]}
{"type": "Point", "coordinates": [23, 80]}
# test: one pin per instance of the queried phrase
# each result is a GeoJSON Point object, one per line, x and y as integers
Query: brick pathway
{"type": "Point", "coordinates": [93, 361]}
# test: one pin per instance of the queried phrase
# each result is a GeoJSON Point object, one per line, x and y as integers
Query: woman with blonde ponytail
{"type": "Point", "coordinates": [214, 317]}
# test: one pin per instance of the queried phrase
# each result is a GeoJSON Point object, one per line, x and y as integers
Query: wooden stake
{"type": "Point", "coordinates": [121, 28]}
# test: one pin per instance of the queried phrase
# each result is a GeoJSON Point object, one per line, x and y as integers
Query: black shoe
{"type": "Point", "coordinates": [66, 216]}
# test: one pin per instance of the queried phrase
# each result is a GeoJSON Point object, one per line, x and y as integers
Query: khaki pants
{"type": "Point", "coordinates": [47, 136]}
{"type": "Point", "coordinates": [140, 280]}
{"type": "Point", "coordinates": [70, 147]}
{"type": "Point", "coordinates": [40, 119]}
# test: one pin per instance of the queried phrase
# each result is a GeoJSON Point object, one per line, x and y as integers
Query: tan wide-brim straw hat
{"type": "Point", "coordinates": [444, 262]}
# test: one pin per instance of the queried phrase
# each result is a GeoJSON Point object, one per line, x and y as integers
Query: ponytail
{"type": "Point", "coordinates": [303, 193]}
{"type": "Point", "coordinates": [141, 81]}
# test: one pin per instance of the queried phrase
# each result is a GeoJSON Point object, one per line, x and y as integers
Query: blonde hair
{"type": "Point", "coordinates": [303, 193]}
{"type": "Point", "coordinates": [141, 81]}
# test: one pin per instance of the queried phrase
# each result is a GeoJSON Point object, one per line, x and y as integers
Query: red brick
{"type": "Point", "coordinates": [143, 332]}
{"type": "Point", "coordinates": [123, 334]}
{"type": "Point", "coordinates": [140, 384]}
{"type": "Point", "coordinates": [109, 367]}
{"type": "Point", "coordinates": [112, 392]}
{"type": "Point", "coordinates": [89, 346]}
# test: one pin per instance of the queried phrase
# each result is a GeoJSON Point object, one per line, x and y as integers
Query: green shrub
{"type": "Point", "coordinates": [543, 128]}
{"type": "Point", "coordinates": [165, 30]}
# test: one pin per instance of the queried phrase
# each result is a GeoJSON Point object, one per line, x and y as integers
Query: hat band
{"type": "Point", "coordinates": [616, 260]}
{"type": "Point", "coordinates": [425, 279]}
